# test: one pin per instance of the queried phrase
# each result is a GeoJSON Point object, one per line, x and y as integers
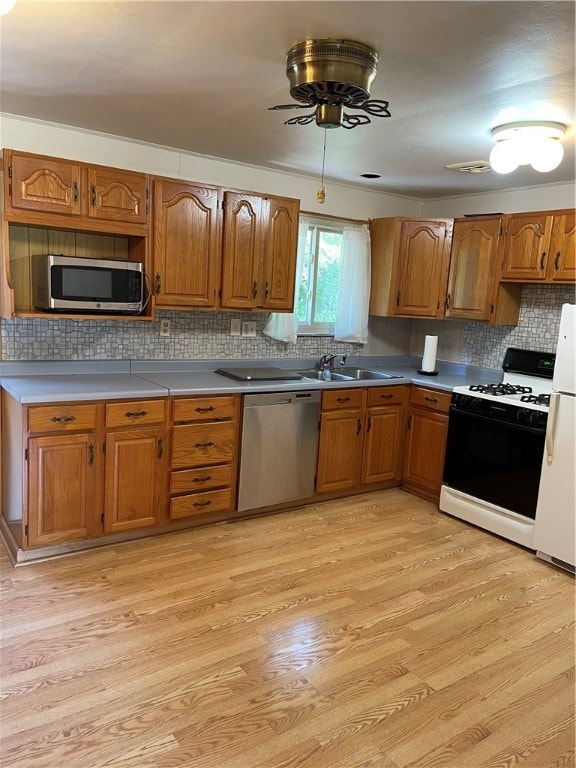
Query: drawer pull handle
{"type": "Point", "coordinates": [431, 399]}
{"type": "Point", "coordinates": [160, 451]}
{"type": "Point", "coordinates": [63, 419]}
{"type": "Point", "coordinates": [342, 399]}
{"type": "Point", "coordinates": [202, 479]}
{"type": "Point", "coordinates": [386, 397]}
{"type": "Point", "coordinates": [205, 410]}
{"type": "Point", "coordinates": [204, 445]}
{"type": "Point", "coordinates": [202, 503]}
{"type": "Point", "coordinates": [359, 427]}
{"type": "Point", "coordinates": [135, 414]}
{"type": "Point", "coordinates": [90, 455]}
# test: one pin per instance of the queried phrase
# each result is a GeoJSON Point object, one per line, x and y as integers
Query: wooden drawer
{"type": "Point", "coordinates": [203, 444]}
{"type": "Point", "coordinates": [67, 417]}
{"type": "Point", "coordinates": [343, 398]}
{"type": "Point", "coordinates": [386, 395]}
{"type": "Point", "coordinates": [128, 414]}
{"type": "Point", "coordinates": [192, 480]}
{"type": "Point", "coordinates": [205, 409]}
{"type": "Point", "coordinates": [200, 503]}
{"type": "Point", "coordinates": [430, 398]}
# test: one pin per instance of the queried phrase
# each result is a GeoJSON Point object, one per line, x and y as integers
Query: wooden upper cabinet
{"type": "Point", "coordinates": [526, 247]}
{"type": "Point", "coordinates": [562, 259]}
{"type": "Point", "coordinates": [409, 266]}
{"type": "Point", "coordinates": [118, 195]}
{"type": "Point", "coordinates": [49, 185]}
{"type": "Point", "coordinates": [242, 247]}
{"type": "Point", "coordinates": [43, 184]}
{"type": "Point", "coordinates": [186, 244]}
{"type": "Point", "coordinates": [279, 257]}
{"type": "Point", "coordinates": [259, 252]}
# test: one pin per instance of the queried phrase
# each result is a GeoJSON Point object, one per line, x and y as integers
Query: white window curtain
{"type": "Point", "coordinates": [283, 326]}
{"type": "Point", "coordinates": [354, 292]}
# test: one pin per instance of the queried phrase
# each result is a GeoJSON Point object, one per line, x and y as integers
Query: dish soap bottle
{"type": "Point", "coordinates": [326, 372]}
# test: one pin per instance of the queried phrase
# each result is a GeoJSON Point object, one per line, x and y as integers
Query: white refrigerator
{"type": "Point", "coordinates": [555, 529]}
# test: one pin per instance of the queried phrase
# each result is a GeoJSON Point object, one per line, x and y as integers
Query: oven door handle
{"type": "Point", "coordinates": [456, 412]}
{"type": "Point", "coordinates": [551, 426]}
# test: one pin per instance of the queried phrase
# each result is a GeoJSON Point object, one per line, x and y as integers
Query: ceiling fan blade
{"type": "Point", "coordinates": [375, 107]}
{"type": "Point", "coordinates": [352, 121]}
{"type": "Point", "coordinates": [301, 119]}
{"type": "Point", "coordinates": [291, 106]}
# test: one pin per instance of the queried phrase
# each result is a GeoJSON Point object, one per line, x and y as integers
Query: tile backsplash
{"type": "Point", "coordinates": [206, 335]}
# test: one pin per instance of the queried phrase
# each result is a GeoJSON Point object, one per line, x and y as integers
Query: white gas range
{"type": "Point", "coordinates": [495, 445]}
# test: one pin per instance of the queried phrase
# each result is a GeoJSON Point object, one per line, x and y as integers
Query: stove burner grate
{"type": "Point", "coordinates": [501, 390]}
{"type": "Point", "coordinates": [536, 399]}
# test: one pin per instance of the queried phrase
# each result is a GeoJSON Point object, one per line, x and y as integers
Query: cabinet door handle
{"type": "Point", "coordinates": [160, 451]}
{"type": "Point", "coordinates": [342, 399]}
{"type": "Point", "coordinates": [254, 289]}
{"type": "Point", "coordinates": [203, 445]}
{"type": "Point", "coordinates": [542, 259]}
{"type": "Point", "coordinates": [386, 397]}
{"type": "Point", "coordinates": [202, 503]}
{"type": "Point", "coordinates": [359, 427]}
{"type": "Point", "coordinates": [431, 399]}
{"type": "Point", "coordinates": [93, 195]}
{"type": "Point", "coordinates": [447, 304]}
{"type": "Point", "coordinates": [557, 262]}
{"type": "Point", "coordinates": [409, 422]}
{"type": "Point", "coordinates": [398, 299]}
{"type": "Point", "coordinates": [135, 414]}
{"type": "Point", "coordinates": [209, 409]}
{"type": "Point", "coordinates": [75, 188]}
{"type": "Point", "coordinates": [369, 425]}
{"type": "Point", "coordinates": [90, 455]}
{"type": "Point", "coordinates": [158, 283]}
{"type": "Point", "coordinates": [63, 419]}
{"type": "Point", "coordinates": [266, 290]}
{"type": "Point", "coordinates": [202, 479]}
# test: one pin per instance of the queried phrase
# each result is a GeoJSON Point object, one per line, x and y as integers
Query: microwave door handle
{"type": "Point", "coordinates": [551, 426]}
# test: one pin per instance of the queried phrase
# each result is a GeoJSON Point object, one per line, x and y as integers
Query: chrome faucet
{"type": "Point", "coordinates": [329, 359]}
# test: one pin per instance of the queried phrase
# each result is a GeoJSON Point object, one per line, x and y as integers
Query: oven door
{"type": "Point", "coordinates": [496, 461]}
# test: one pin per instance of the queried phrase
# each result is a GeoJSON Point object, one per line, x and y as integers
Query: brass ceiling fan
{"type": "Point", "coordinates": [332, 75]}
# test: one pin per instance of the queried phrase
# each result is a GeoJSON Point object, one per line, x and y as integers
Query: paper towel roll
{"type": "Point", "coordinates": [429, 357]}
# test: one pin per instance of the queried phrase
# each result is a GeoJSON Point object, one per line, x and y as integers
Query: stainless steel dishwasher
{"type": "Point", "coordinates": [279, 445]}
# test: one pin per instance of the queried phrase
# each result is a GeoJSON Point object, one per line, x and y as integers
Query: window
{"type": "Point", "coordinates": [319, 279]}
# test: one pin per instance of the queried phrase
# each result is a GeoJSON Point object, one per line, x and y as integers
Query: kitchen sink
{"type": "Point", "coordinates": [312, 373]}
{"type": "Point", "coordinates": [363, 373]}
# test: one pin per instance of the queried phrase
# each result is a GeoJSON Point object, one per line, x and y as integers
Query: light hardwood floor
{"type": "Point", "coordinates": [372, 631]}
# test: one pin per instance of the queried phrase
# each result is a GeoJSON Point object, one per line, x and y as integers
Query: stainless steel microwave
{"type": "Point", "coordinates": [69, 284]}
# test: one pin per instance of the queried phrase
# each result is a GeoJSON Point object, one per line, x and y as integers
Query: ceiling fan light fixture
{"type": "Point", "coordinates": [6, 6]}
{"type": "Point", "coordinates": [527, 143]}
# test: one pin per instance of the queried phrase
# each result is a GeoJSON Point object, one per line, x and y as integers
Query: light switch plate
{"type": "Point", "coordinates": [164, 326]}
{"type": "Point", "coordinates": [249, 329]}
{"type": "Point", "coordinates": [235, 327]}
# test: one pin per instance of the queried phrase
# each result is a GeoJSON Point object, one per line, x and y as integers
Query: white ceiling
{"type": "Point", "coordinates": [199, 76]}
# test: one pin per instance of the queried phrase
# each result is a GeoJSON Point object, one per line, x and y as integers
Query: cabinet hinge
{"type": "Point", "coordinates": [25, 454]}
{"type": "Point", "coordinates": [219, 293]}
{"type": "Point", "coordinates": [103, 447]}
{"type": "Point", "coordinates": [147, 200]}
{"type": "Point", "coordinates": [501, 232]}
{"type": "Point", "coordinates": [9, 171]}
{"type": "Point", "coordinates": [223, 205]}
{"type": "Point", "coordinates": [10, 189]}
{"type": "Point", "coordinates": [491, 309]}
{"type": "Point", "coordinates": [102, 518]}
{"type": "Point", "coordinates": [26, 530]}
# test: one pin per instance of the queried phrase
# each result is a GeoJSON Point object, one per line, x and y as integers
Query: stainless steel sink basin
{"type": "Point", "coordinates": [312, 373]}
{"type": "Point", "coordinates": [362, 373]}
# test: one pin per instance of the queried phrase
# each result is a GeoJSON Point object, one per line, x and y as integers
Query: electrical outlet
{"type": "Point", "coordinates": [249, 329]}
{"type": "Point", "coordinates": [164, 326]}
{"type": "Point", "coordinates": [235, 327]}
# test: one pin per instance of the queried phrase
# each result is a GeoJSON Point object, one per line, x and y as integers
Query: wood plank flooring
{"type": "Point", "coordinates": [372, 631]}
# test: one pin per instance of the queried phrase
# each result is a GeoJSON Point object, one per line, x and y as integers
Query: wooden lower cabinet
{"type": "Point", "coordinates": [361, 436]}
{"type": "Point", "coordinates": [63, 479]}
{"type": "Point", "coordinates": [426, 432]}
{"type": "Point", "coordinates": [204, 455]}
{"type": "Point", "coordinates": [135, 480]}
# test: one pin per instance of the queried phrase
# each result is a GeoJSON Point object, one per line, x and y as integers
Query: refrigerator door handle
{"type": "Point", "coordinates": [551, 426]}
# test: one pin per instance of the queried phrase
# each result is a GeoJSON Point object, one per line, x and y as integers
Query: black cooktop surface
{"type": "Point", "coordinates": [259, 374]}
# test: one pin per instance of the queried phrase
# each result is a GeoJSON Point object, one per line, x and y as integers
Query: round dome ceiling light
{"type": "Point", "coordinates": [527, 143]}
